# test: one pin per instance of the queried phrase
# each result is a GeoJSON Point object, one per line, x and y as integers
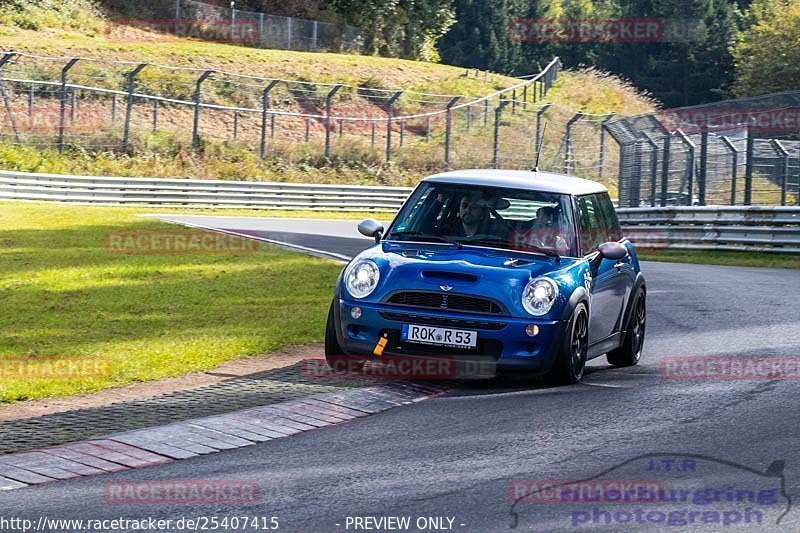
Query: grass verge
{"type": "Point", "coordinates": [729, 258]}
{"type": "Point", "coordinates": [147, 316]}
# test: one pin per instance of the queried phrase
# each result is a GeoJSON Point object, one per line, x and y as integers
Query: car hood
{"type": "Point", "coordinates": [500, 275]}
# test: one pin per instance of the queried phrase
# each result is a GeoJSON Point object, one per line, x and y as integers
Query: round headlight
{"type": "Point", "coordinates": [362, 278]}
{"type": "Point", "coordinates": [539, 296]}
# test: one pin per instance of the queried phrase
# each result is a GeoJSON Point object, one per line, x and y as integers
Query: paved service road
{"type": "Point", "coordinates": [465, 455]}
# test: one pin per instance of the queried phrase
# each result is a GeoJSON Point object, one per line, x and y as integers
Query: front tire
{"type": "Point", "coordinates": [332, 346]}
{"type": "Point", "coordinates": [335, 356]}
{"type": "Point", "coordinates": [571, 359]}
{"type": "Point", "coordinates": [630, 352]}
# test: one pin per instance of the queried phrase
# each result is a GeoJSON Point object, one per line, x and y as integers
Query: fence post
{"type": "Point", "coordinates": [235, 124]}
{"type": "Point", "coordinates": [485, 113]}
{"type": "Point", "coordinates": [498, 115]}
{"type": "Point", "coordinates": [289, 33]}
{"type": "Point", "coordinates": [525, 97]}
{"type": "Point", "coordinates": [314, 36]}
{"type": "Point", "coordinates": [264, 112]}
{"type": "Point", "coordinates": [155, 115]}
{"type": "Point", "coordinates": [389, 115]}
{"type": "Point", "coordinates": [779, 148]}
{"type": "Point", "coordinates": [402, 132]}
{"type": "Point", "coordinates": [328, 104]}
{"type": "Point", "coordinates": [5, 59]}
{"type": "Point", "coordinates": [734, 167]}
{"type": "Point", "coordinates": [701, 178]}
{"type": "Point", "coordinates": [427, 128]}
{"type": "Point", "coordinates": [691, 148]}
{"type": "Point", "coordinates": [177, 10]}
{"type": "Point", "coordinates": [308, 128]}
{"type": "Point", "coordinates": [113, 108]}
{"type": "Point", "coordinates": [62, 116]}
{"type": "Point", "coordinates": [197, 96]}
{"type": "Point", "coordinates": [653, 168]}
{"type": "Point", "coordinates": [603, 126]}
{"type": "Point", "coordinates": [448, 130]}
{"type": "Point", "coordinates": [513, 101]}
{"type": "Point", "coordinates": [539, 114]}
{"type": "Point", "coordinates": [372, 128]}
{"type": "Point", "coordinates": [72, 104]}
{"type": "Point", "coordinates": [748, 166]}
{"type": "Point", "coordinates": [261, 29]}
{"type": "Point", "coordinates": [568, 164]}
{"type": "Point", "coordinates": [665, 170]}
{"type": "Point", "coordinates": [469, 116]}
{"type": "Point", "coordinates": [31, 95]}
{"type": "Point", "coordinates": [129, 107]}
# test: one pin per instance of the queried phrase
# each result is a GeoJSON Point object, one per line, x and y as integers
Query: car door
{"type": "Point", "coordinates": [610, 279]}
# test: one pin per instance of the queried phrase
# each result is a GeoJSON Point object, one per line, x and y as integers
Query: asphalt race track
{"type": "Point", "coordinates": [463, 456]}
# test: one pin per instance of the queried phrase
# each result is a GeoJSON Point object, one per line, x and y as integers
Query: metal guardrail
{"type": "Point", "coordinates": [765, 229]}
{"type": "Point", "coordinates": [199, 193]}
{"type": "Point", "coordinates": [770, 229]}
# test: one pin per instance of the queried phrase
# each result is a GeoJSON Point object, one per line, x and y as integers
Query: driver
{"type": "Point", "coordinates": [473, 214]}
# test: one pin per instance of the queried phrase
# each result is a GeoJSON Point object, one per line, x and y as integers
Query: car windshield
{"type": "Point", "coordinates": [514, 219]}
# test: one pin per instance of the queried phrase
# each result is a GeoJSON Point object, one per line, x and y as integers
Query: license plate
{"type": "Point", "coordinates": [459, 338]}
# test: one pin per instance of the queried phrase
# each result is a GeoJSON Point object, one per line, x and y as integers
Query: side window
{"type": "Point", "coordinates": [611, 222]}
{"type": "Point", "coordinates": [592, 231]}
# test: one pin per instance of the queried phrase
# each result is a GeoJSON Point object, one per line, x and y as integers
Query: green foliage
{"type": "Point", "coordinates": [44, 14]}
{"type": "Point", "coordinates": [481, 40]}
{"type": "Point", "coordinates": [399, 28]}
{"type": "Point", "coordinates": [767, 52]}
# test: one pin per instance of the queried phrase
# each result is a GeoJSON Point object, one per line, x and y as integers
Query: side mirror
{"type": "Point", "coordinates": [370, 228]}
{"type": "Point", "coordinates": [613, 251]}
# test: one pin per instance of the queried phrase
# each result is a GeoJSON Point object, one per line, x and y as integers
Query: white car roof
{"type": "Point", "coordinates": [520, 179]}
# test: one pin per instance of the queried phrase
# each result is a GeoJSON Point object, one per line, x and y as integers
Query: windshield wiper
{"type": "Point", "coordinates": [422, 234]}
{"type": "Point", "coordinates": [528, 247]}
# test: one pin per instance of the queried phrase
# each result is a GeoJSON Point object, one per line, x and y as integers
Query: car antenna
{"type": "Point", "coordinates": [539, 149]}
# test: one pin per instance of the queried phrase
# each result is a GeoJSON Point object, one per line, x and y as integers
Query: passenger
{"type": "Point", "coordinates": [547, 230]}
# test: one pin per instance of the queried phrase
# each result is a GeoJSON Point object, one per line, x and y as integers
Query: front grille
{"type": "Point", "coordinates": [442, 321]}
{"type": "Point", "coordinates": [450, 302]}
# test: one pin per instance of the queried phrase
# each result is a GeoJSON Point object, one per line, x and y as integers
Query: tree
{"type": "Point", "coordinates": [767, 53]}
{"type": "Point", "coordinates": [398, 28]}
{"type": "Point", "coordinates": [481, 37]}
{"type": "Point", "coordinates": [691, 64]}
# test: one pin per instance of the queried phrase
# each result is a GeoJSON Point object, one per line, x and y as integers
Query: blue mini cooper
{"type": "Point", "coordinates": [529, 269]}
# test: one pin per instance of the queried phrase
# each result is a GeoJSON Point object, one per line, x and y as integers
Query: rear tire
{"type": "Point", "coordinates": [630, 352]}
{"type": "Point", "coordinates": [571, 360]}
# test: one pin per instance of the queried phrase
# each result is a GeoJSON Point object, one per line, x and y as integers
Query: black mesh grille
{"type": "Point", "coordinates": [451, 302]}
{"type": "Point", "coordinates": [442, 321]}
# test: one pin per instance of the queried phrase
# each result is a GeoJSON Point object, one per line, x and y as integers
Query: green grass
{"type": "Point", "coordinates": [149, 316]}
{"type": "Point", "coordinates": [729, 258]}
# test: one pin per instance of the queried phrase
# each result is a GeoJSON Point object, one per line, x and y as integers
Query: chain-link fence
{"type": "Point", "coordinates": [737, 152]}
{"type": "Point", "coordinates": [102, 105]}
{"type": "Point", "coordinates": [264, 30]}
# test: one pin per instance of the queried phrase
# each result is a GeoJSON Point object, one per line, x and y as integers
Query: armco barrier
{"type": "Point", "coordinates": [199, 193]}
{"type": "Point", "coordinates": [769, 229]}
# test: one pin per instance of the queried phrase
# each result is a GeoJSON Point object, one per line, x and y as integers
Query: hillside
{"type": "Point", "coordinates": [168, 153]}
